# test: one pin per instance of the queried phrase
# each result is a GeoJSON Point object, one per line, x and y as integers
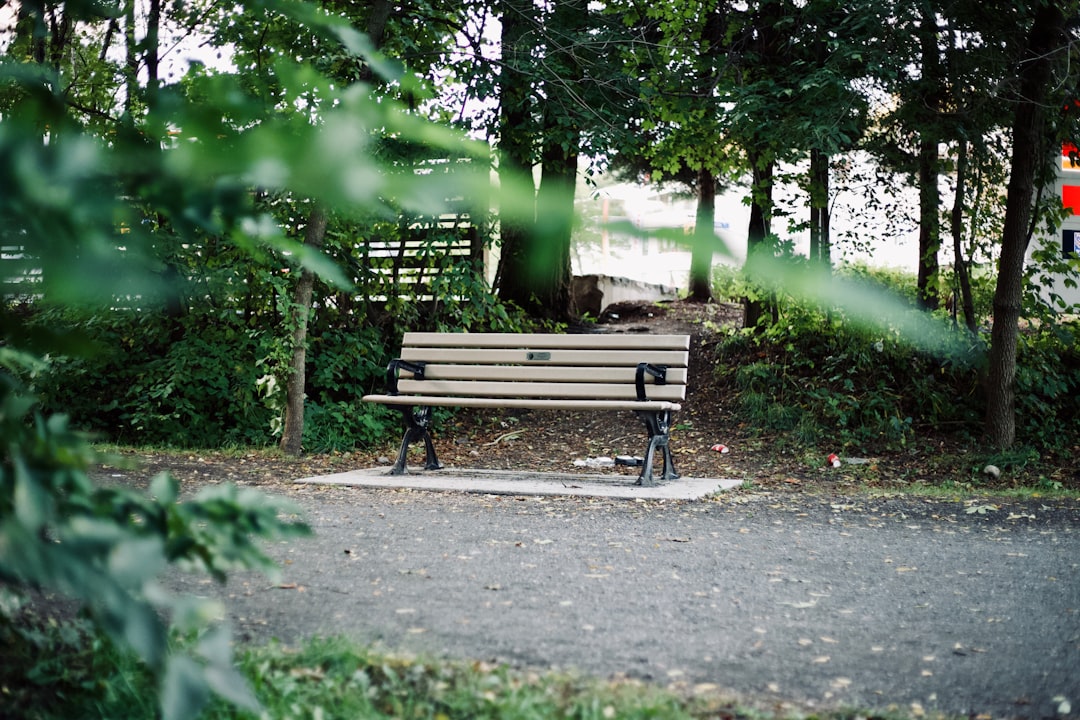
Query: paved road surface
{"type": "Point", "coordinates": [960, 608]}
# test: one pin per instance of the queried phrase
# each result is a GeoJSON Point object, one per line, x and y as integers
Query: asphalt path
{"type": "Point", "coordinates": [966, 608]}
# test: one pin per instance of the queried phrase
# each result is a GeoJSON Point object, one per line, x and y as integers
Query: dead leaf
{"type": "Point", "coordinates": [801, 605]}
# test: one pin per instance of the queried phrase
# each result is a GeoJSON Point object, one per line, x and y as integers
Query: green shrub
{"type": "Point", "coordinates": [216, 380]}
{"type": "Point", "coordinates": [1048, 387]}
{"type": "Point", "coordinates": [818, 377]}
{"type": "Point", "coordinates": [104, 547]}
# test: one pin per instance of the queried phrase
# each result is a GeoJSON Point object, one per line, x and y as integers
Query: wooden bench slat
{"type": "Point", "coordinates": [600, 391]}
{"type": "Point", "coordinates": [555, 373]}
{"type": "Point", "coordinates": [544, 356]}
{"type": "Point", "coordinates": [525, 403]}
{"type": "Point", "coordinates": [547, 341]}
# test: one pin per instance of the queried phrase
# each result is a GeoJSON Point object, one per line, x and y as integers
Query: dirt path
{"type": "Point", "coordinates": [966, 609]}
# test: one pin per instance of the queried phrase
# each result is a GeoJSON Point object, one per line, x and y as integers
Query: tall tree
{"type": "Point", "coordinates": [292, 432]}
{"type": "Point", "coordinates": [928, 105]}
{"type": "Point", "coordinates": [680, 52]}
{"type": "Point", "coordinates": [1046, 46]}
{"type": "Point", "coordinates": [516, 135]}
{"type": "Point", "coordinates": [299, 312]}
{"type": "Point", "coordinates": [534, 271]}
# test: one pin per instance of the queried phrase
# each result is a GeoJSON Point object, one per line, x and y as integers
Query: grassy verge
{"type": "Point", "coordinates": [51, 670]}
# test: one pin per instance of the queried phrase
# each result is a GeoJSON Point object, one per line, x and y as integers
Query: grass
{"type": "Point", "coordinates": [52, 670]}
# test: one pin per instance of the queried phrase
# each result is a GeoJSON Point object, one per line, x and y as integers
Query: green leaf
{"type": "Point", "coordinates": [184, 690]}
{"type": "Point", "coordinates": [165, 488]}
{"type": "Point", "coordinates": [33, 506]}
{"type": "Point", "coordinates": [133, 562]}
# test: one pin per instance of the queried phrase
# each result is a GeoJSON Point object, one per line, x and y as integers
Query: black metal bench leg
{"type": "Point", "coordinates": [417, 424]}
{"type": "Point", "coordinates": [658, 425]}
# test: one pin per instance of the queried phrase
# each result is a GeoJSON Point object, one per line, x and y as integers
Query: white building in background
{"type": "Point", "coordinates": [1067, 240]}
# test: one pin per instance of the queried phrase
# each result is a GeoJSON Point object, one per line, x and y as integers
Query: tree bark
{"type": "Point", "coordinates": [550, 272]}
{"type": "Point", "coordinates": [701, 255]}
{"type": "Point", "coordinates": [150, 54]}
{"type": "Point", "coordinates": [1028, 133]}
{"type": "Point", "coordinates": [820, 243]}
{"type": "Point", "coordinates": [960, 262]}
{"type": "Point", "coordinates": [929, 199]}
{"type": "Point", "coordinates": [515, 152]}
{"type": "Point", "coordinates": [131, 64]}
{"type": "Point", "coordinates": [758, 231]}
{"type": "Point", "coordinates": [292, 433]}
{"type": "Point", "coordinates": [536, 273]}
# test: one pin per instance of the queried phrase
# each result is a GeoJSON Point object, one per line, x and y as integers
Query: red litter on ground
{"type": "Point", "coordinates": [720, 448]}
{"type": "Point", "coordinates": [834, 460]}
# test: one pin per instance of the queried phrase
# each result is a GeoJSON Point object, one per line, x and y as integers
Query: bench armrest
{"type": "Point", "coordinates": [416, 368]}
{"type": "Point", "coordinates": [657, 371]}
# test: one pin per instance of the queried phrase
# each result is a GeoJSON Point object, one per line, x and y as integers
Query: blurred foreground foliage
{"type": "Point", "coordinates": [146, 249]}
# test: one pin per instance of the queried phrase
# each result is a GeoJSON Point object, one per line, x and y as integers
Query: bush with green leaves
{"type": "Point", "coordinates": [105, 546]}
{"type": "Point", "coordinates": [1048, 387]}
{"type": "Point", "coordinates": [815, 377]}
{"type": "Point", "coordinates": [870, 382]}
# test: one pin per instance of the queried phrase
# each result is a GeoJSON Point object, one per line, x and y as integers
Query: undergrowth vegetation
{"type": "Point", "coordinates": [815, 375]}
{"type": "Point", "coordinates": [216, 377]}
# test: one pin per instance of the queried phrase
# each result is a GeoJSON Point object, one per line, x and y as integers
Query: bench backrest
{"type": "Point", "coordinates": [504, 365]}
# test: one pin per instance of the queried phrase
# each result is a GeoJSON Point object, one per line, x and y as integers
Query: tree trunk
{"type": "Point", "coordinates": [536, 274]}
{"type": "Point", "coordinates": [1028, 133]}
{"type": "Point", "coordinates": [131, 64]}
{"type": "Point", "coordinates": [701, 255]}
{"type": "Point", "coordinates": [550, 272]}
{"type": "Point", "coordinates": [820, 243]}
{"type": "Point", "coordinates": [960, 262]}
{"type": "Point", "coordinates": [758, 231]}
{"type": "Point", "coordinates": [150, 54]}
{"type": "Point", "coordinates": [515, 152]}
{"type": "Point", "coordinates": [929, 226]}
{"type": "Point", "coordinates": [292, 433]}
{"type": "Point", "coordinates": [376, 32]}
{"type": "Point", "coordinates": [929, 234]}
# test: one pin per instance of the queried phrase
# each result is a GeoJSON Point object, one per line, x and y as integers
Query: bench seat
{"type": "Point", "coordinates": [646, 374]}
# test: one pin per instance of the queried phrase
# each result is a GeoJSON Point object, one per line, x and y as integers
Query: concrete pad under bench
{"type": "Point", "coordinates": [511, 482]}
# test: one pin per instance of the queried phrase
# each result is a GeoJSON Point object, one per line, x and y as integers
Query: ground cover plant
{"type": "Point", "coordinates": [52, 671]}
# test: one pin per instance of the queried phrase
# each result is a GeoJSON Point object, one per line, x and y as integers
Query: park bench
{"type": "Point", "coordinates": [642, 373]}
